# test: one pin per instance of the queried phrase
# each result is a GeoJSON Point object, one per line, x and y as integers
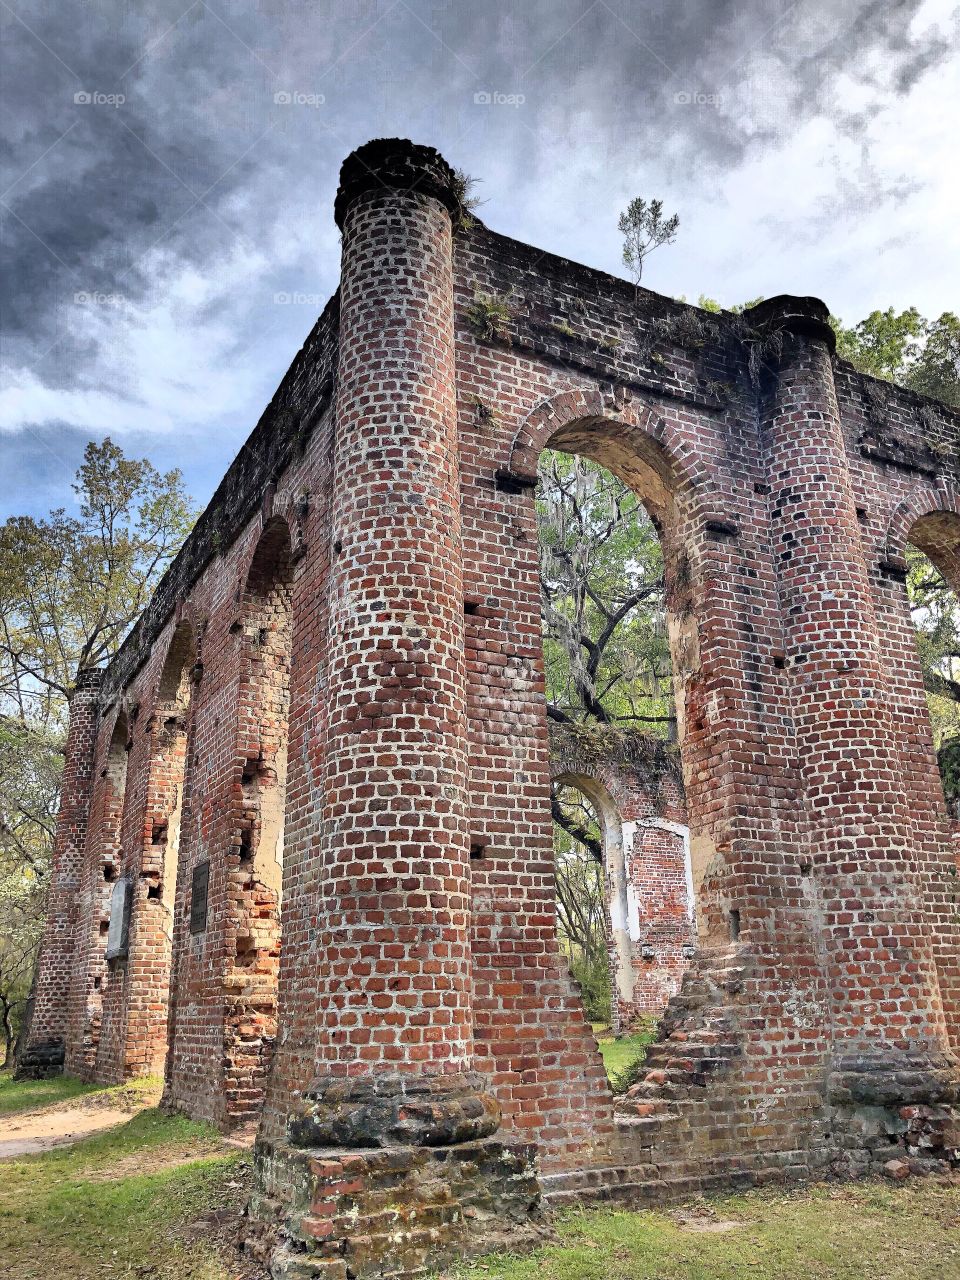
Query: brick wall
{"type": "Point", "coordinates": [816, 1025]}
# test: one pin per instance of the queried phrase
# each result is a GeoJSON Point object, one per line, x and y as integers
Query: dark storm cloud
{"type": "Point", "coordinates": [199, 161]}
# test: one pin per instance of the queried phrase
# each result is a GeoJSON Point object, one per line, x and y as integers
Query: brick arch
{"type": "Point", "coordinates": [278, 534]}
{"type": "Point", "coordinates": [593, 422]}
{"type": "Point", "coordinates": [578, 770]}
{"type": "Point", "coordinates": [942, 498]}
{"type": "Point", "coordinates": [183, 651]}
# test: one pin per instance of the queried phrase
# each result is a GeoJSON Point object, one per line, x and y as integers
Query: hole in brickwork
{"type": "Point", "coordinates": [169, 728]}
{"type": "Point", "coordinates": [734, 919]}
{"type": "Point", "coordinates": [103, 872]}
{"type": "Point", "coordinates": [471, 608]}
{"type": "Point", "coordinates": [477, 851]}
{"type": "Point", "coordinates": [256, 883]}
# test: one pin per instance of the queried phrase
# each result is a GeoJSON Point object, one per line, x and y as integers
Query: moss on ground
{"type": "Point", "coordinates": [867, 1231]}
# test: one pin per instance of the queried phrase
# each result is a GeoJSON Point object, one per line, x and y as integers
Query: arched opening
{"type": "Point", "coordinates": [922, 649]}
{"type": "Point", "coordinates": [615, 611]}
{"type": "Point", "coordinates": [153, 884]}
{"type": "Point", "coordinates": [255, 860]}
{"type": "Point", "coordinates": [935, 614]}
{"type": "Point", "coordinates": [594, 899]}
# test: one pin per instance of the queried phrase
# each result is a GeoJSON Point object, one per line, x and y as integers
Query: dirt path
{"type": "Point", "coordinates": [27, 1135]}
{"type": "Point", "coordinates": [59, 1124]}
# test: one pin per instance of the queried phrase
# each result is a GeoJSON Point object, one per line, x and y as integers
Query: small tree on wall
{"type": "Point", "coordinates": [644, 228]}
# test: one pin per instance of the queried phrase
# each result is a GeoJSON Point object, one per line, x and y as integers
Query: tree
{"type": "Point", "coordinates": [936, 620]}
{"type": "Point", "coordinates": [580, 910]}
{"type": "Point", "coordinates": [906, 348]}
{"type": "Point", "coordinates": [30, 767]}
{"type": "Point", "coordinates": [602, 596]}
{"type": "Point", "coordinates": [644, 228]}
{"type": "Point", "coordinates": [71, 587]}
{"type": "Point", "coordinates": [607, 661]}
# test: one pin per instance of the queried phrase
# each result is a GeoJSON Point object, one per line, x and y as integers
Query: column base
{"type": "Point", "coordinates": [390, 1176]}
{"type": "Point", "coordinates": [893, 1113]}
{"type": "Point", "coordinates": [40, 1059]}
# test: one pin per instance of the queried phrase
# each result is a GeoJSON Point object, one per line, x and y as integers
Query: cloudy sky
{"type": "Point", "coordinates": [168, 174]}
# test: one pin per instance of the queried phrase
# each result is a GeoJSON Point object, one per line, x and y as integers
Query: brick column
{"type": "Point", "coordinates": [389, 871]}
{"type": "Point", "coordinates": [42, 1047]}
{"type": "Point", "coordinates": [886, 1015]}
{"type": "Point", "coordinates": [394, 974]}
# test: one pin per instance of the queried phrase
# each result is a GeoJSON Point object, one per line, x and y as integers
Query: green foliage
{"type": "Point", "coordinates": [601, 571]}
{"type": "Point", "coordinates": [28, 1095]}
{"type": "Point", "coordinates": [625, 1058]}
{"type": "Point", "coordinates": [906, 348]}
{"type": "Point", "coordinates": [608, 666]}
{"type": "Point", "coordinates": [936, 619]}
{"type": "Point", "coordinates": [711, 305]}
{"type": "Point", "coordinates": [644, 228]}
{"type": "Point", "coordinates": [30, 768]}
{"type": "Point", "coordinates": [489, 318]}
{"type": "Point", "coordinates": [70, 587]}
{"type": "Point", "coordinates": [463, 187]}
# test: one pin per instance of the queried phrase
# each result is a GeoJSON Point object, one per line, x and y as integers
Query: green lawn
{"type": "Point", "coordinates": [867, 1231]}
{"type": "Point", "coordinates": [25, 1095]}
{"type": "Point", "coordinates": [121, 1204]}
{"type": "Point", "coordinates": [620, 1055]}
{"type": "Point", "coordinates": [160, 1198]}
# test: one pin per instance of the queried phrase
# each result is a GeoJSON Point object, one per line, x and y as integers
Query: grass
{"type": "Point", "coordinates": [120, 1204]}
{"type": "Point", "coordinates": [869, 1231]}
{"type": "Point", "coordinates": [25, 1095]}
{"type": "Point", "coordinates": [159, 1198]}
{"type": "Point", "coordinates": [620, 1055]}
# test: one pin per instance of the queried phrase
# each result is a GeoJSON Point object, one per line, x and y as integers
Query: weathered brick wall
{"type": "Point", "coordinates": [43, 1042]}
{"type": "Point", "coordinates": [814, 1026]}
{"type": "Point", "coordinates": [634, 786]}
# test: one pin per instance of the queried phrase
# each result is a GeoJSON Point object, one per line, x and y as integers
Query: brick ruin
{"type": "Point", "coordinates": [304, 854]}
{"type": "Point", "coordinates": [634, 785]}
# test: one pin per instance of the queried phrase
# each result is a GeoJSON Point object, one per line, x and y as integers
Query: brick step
{"type": "Point", "coordinates": [669, 1181]}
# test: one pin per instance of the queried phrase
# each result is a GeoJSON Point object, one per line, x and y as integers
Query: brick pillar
{"type": "Point", "coordinates": [391, 867]}
{"type": "Point", "coordinates": [886, 1016]}
{"type": "Point", "coordinates": [395, 988]}
{"type": "Point", "coordinates": [42, 1046]}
